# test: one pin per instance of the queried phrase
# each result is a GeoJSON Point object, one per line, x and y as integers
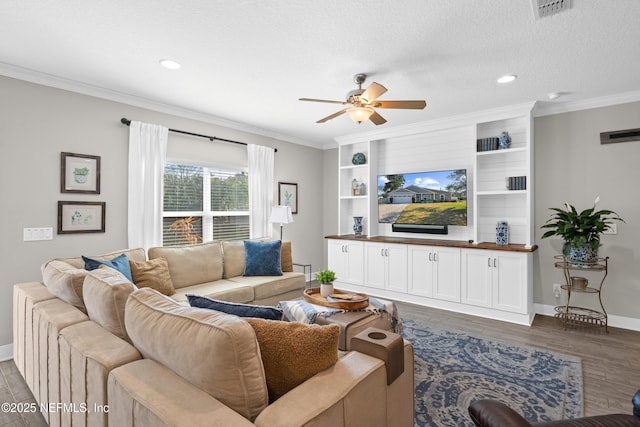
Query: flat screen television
{"type": "Point", "coordinates": [423, 198]}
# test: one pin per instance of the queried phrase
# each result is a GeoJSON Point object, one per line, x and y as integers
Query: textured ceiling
{"type": "Point", "coordinates": [246, 63]}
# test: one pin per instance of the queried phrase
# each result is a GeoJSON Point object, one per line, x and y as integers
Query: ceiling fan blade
{"type": "Point", "coordinates": [377, 119]}
{"type": "Point", "coordinates": [409, 105]}
{"type": "Point", "coordinates": [333, 116]}
{"type": "Point", "coordinates": [322, 100]}
{"type": "Point", "coordinates": [373, 92]}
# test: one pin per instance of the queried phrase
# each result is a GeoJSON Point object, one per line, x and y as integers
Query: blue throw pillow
{"type": "Point", "coordinates": [120, 263]}
{"type": "Point", "coordinates": [262, 258]}
{"type": "Point", "coordinates": [240, 310]}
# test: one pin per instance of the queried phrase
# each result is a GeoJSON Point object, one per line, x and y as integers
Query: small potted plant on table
{"type": "Point", "coordinates": [581, 231]}
{"type": "Point", "coordinates": [326, 278]}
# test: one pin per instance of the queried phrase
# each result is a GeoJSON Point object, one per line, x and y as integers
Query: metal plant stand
{"type": "Point", "coordinates": [582, 316]}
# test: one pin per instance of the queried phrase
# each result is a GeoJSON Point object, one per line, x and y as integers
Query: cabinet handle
{"type": "Point", "coordinates": [430, 257]}
{"type": "Point", "coordinates": [435, 257]}
{"type": "Point", "coordinates": [495, 262]}
{"type": "Point", "coordinates": [382, 252]}
{"type": "Point", "coordinates": [386, 252]}
{"type": "Point", "coordinates": [489, 262]}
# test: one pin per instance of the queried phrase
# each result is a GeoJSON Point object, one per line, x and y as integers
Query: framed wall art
{"type": "Point", "coordinates": [81, 217]}
{"type": "Point", "coordinates": [79, 173]}
{"type": "Point", "coordinates": [288, 195]}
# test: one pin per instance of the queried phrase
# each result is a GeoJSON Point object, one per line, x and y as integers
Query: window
{"type": "Point", "coordinates": [202, 204]}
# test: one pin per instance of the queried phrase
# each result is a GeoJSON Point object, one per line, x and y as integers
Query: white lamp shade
{"type": "Point", "coordinates": [360, 114]}
{"type": "Point", "coordinates": [281, 215]}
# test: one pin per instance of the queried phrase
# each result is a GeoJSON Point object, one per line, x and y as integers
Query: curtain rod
{"type": "Point", "coordinates": [127, 122]}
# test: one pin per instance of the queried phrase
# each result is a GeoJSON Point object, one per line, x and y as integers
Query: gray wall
{"type": "Point", "coordinates": [39, 122]}
{"type": "Point", "coordinates": [572, 166]}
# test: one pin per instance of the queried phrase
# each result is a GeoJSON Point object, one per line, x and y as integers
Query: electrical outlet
{"type": "Point", "coordinates": [557, 290]}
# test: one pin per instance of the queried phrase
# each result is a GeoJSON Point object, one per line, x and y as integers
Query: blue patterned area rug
{"type": "Point", "coordinates": [453, 369]}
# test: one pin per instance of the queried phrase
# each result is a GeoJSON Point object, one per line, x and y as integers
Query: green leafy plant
{"type": "Point", "coordinates": [580, 229]}
{"type": "Point", "coordinates": [326, 276]}
{"type": "Point", "coordinates": [81, 171]}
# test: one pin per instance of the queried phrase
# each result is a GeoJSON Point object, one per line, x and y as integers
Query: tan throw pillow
{"type": "Point", "coordinates": [293, 352]}
{"type": "Point", "coordinates": [286, 260]}
{"type": "Point", "coordinates": [153, 274]}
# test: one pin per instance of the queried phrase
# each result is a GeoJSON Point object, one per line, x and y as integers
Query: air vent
{"type": "Point", "coordinates": [545, 8]}
{"type": "Point", "coordinates": [620, 136]}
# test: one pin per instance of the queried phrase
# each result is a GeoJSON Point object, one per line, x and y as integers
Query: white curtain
{"type": "Point", "coordinates": [147, 154]}
{"type": "Point", "coordinates": [260, 189]}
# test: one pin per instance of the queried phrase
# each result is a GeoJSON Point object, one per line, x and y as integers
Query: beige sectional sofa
{"type": "Point", "coordinates": [95, 351]}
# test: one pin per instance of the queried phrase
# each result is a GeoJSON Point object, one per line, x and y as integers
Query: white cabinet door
{"type": "Point", "coordinates": [476, 277]}
{"type": "Point", "coordinates": [386, 266]}
{"type": "Point", "coordinates": [446, 273]}
{"type": "Point", "coordinates": [346, 259]}
{"type": "Point", "coordinates": [396, 274]}
{"type": "Point", "coordinates": [495, 279]}
{"type": "Point", "coordinates": [510, 281]}
{"type": "Point", "coordinates": [420, 270]}
{"type": "Point", "coordinates": [375, 265]}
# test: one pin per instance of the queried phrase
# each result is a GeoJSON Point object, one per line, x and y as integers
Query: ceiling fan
{"type": "Point", "coordinates": [363, 101]}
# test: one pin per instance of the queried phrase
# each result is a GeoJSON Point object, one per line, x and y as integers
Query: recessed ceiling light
{"type": "Point", "coordinates": [170, 64]}
{"type": "Point", "coordinates": [507, 79]}
{"type": "Point", "coordinates": [554, 95]}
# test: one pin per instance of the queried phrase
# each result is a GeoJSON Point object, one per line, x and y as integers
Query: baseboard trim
{"type": "Point", "coordinates": [6, 352]}
{"type": "Point", "coordinates": [614, 321]}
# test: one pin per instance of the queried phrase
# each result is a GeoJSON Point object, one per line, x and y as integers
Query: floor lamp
{"type": "Point", "coordinates": [282, 215]}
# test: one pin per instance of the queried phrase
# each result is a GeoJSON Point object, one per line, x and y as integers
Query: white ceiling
{"type": "Point", "coordinates": [245, 63]}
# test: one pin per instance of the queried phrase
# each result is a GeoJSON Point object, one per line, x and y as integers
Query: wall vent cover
{"type": "Point", "coordinates": [627, 135]}
{"type": "Point", "coordinates": [545, 8]}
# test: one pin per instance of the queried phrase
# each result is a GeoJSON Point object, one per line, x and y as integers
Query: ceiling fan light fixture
{"type": "Point", "coordinates": [360, 114]}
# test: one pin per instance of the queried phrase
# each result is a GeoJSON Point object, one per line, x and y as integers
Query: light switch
{"type": "Point", "coordinates": [37, 233]}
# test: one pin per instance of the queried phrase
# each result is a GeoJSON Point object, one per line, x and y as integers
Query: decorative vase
{"type": "Point", "coordinates": [358, 159]}
{"type": "Point", "coordinates": [357, 226]}
{"type": "Point", "coordinates": [326, 289]}
{"type": "Point", "coordinates": [504, 141]}
{"type": "Point", "coordinates": [579, 255]}
{"type": "Point", "coordinates": [502, 233]}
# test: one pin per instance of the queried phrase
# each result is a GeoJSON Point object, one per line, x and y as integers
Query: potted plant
{"type": "Point", "coordinates": [326, 278]}
{"type": "Point", "coordinates": [80, 175]}
{"type": "Point", "coordinates": [581, 231]}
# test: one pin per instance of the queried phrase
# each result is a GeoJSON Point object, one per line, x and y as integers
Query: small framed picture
{"type": "Point", "coordinates": [79, 173]}
{"type": "Point", "coordinates": [288, 195]}
{"type": "Point", "coordinates": [81, 217]}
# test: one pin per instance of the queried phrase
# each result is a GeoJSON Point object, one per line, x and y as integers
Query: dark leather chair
{"type": "Point", "coordinates": [491, 413]}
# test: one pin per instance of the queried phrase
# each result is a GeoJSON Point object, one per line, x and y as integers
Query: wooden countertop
{"type": "Point", "coordinates": [436, 242]}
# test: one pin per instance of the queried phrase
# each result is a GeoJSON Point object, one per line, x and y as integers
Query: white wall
{"type": "Point", "coordinates": [39, 122]}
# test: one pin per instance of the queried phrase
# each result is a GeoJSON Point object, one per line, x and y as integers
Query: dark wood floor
{"type": "Point", "coordinates": [610, 370]}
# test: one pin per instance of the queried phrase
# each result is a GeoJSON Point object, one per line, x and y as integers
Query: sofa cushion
{"type": "Point", "coordinates": [293, 352]}
{"type": "Point", "coordinates": [64, 277]}
{"type": "Point", "coordinates": [65, 282]}
{"type": "Point", "coordinates": [262, 258]}
{"type": "Point", "coordinates": [153, 274]}
{"type": "Point", "coordinates": [119, 263]}
{"type": "Point", "coordinates": [268, 286]}
{"type": "Point", "coordinates": [226, 290]}
{"type": "Point", "coordinates": [105, 292]}
{"type": "Point", "coordinates": [233, 255]}
{"type": "Point", "coordinates": [192, 264]}
{"type": "Point", "coordinates": [216, 352]}
{"type": "Point", "coordinates": [237, 309]}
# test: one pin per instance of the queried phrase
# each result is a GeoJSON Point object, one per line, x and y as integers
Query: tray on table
{"type": "Point", "coordinates": [356, 302]}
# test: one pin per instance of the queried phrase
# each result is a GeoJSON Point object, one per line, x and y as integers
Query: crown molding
{"type": "Point", "coordinates": [57, 82]}
{"type": "Point", "coordinates": [546, 108]}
